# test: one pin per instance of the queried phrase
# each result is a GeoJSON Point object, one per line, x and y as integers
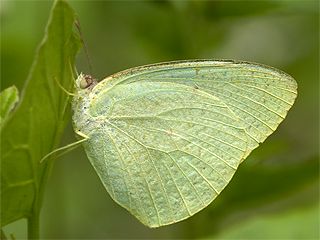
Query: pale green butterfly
{"type": "Point", "coordinates": [166, 139]}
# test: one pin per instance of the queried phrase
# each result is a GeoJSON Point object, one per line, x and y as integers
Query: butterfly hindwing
{"type": "Point", "coordinates": [166, 139]}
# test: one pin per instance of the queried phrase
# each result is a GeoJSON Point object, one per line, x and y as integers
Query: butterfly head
{"type": "Point", "coordinates": [85, 81]}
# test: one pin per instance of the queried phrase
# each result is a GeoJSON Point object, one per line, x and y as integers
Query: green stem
{"type": "Point", "coordinates": [34, 219]}
{"type": "Point", "coordinates": [33, 223]}
{"type": "Point", "coordinates": [3, 236]}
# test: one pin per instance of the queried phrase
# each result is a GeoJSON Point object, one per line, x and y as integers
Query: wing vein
{"type": "Point", "coordinates": [180, 136]}
{"type": "Point", "coordinates": [161, 181]}
{"type": "Point", "coordinates": [252, 100]}
{"type": "Point", "coordinates": [207, 110]}
{"type": "Point", "coordinates": [195, 123]}
{"type": "Point", "coordinates": [145, 180]}
{"type": "Point", "coordinates": [241, 109]}
{"type": "Point", "coordinates": [124, 167]}
{"type": "Point", "coordinates": [178, 189]}
{"type": "Point", "coordinates": [155, 168]}
{"type": "Point", "coordinates": [269, 93]}
{"type": "Point", "coordinates": [242, 150]}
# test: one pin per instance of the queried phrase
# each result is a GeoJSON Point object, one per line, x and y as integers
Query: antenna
{"type": "Point", "coordinates": [77, 23]}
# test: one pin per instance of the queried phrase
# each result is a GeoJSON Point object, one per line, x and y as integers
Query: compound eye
{"type": "Point", "coordinates": [86, 81]}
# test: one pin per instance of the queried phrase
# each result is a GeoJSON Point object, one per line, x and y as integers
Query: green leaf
{"type": "Point", "coordinates": [8, 99]}
{"type": "Point", "coordinates": [301, 223]}
{"type": "Point", "coordinates": [38, 123]}
{"type": "Point", "coordinates": [166, 139]}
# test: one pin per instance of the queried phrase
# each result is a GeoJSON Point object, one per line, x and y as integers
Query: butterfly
{"type": "Point", "coordinates": [166, 139]}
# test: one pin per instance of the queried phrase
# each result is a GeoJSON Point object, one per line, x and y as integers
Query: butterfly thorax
{"type": "Point", "coordinates": [81, 103]}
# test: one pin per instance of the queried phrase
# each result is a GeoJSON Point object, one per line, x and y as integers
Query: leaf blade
{"type": "Point", "coordinates": [8, 99]}
{"type": "Point", "coordinates": [37, 125]}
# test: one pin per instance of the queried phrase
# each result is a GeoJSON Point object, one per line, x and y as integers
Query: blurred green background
{"type": "Point", "coordinates": [275, 192]}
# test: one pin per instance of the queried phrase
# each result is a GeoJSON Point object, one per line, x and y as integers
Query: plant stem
{"type": "Point", "coordinates": [3, 236]}
{"type": "Point", "coordinates": [34, 219]}
{"type": "Point", "coordinates": [33, 223]}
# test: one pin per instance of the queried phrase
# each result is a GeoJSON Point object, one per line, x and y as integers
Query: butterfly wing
{"type": "Point", "coordinates": [169, 137]}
